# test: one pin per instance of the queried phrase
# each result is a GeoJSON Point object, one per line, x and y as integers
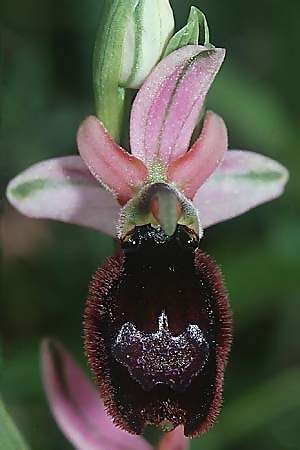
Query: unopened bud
{"type": "Point", "coordinates": [147, 33]}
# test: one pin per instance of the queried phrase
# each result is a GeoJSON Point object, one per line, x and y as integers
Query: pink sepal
{"type": "Point", "coordinates": [243, 181]}
{"type": "Point", "coordinates": [77, 407]}
{"type": "Point", "coordinates": [64, 189]}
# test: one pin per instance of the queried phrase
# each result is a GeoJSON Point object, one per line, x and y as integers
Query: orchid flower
{"type": "Point", "coordinates": [157, 321]}
{"type": "Point", "coordinates": [213, 184]}
{"type": "Point", "coordinates": [80, 413]}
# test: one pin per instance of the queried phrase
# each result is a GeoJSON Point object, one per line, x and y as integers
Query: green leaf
{"type": "Point", "coordinates": [10, 438]}
{"type": "Point", "coordinates": [195, 32]}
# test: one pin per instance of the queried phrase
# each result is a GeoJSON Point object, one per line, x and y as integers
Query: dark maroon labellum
{"type": "Point", "coordinates": [158, 332]}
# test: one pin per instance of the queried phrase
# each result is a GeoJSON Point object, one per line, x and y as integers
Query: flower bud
{"type": "Point", "coordinates": [147, 33]}
{"type": "Point", "coordinates": [131, 39]}
{"type": "Point", "coordinates": [195, 32]}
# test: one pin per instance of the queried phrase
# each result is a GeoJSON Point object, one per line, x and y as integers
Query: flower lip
{"type": "Point", "coordinates": [156, 273]}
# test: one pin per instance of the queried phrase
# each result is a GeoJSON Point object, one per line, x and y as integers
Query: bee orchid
{"type": "Point", "coordinates": [217, 184]}
{"type": "Point", "coordinates": [157, 321]}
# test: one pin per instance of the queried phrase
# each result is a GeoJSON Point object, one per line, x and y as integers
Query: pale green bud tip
{"type": "Point", "coordinates": [147, 33]}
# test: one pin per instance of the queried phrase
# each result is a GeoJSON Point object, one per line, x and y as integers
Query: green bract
{"type": "Point", "coordinates": [194, 32]}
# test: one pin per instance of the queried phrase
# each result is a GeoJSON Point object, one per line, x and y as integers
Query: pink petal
{"type": "Point", "coordinates": [167, 107]}
{"type": "Point", "coordinates": [109, 163]}
{"type": "Point", "coordinates": [191, 170]}
{"type": "Point", "coordinates": [77, 407]}
{"type": "Point", "coordinates": [243, 181]}
{"type": "Point", "coordinates": [63, 189]}
{"type": "Point", "coordinates": [175, 440]}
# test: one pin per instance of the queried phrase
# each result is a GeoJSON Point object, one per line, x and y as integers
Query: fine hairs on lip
{"type": "Point", "coordinates": [137, 311]}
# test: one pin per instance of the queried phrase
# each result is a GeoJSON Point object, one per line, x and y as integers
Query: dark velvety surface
{"type": "Point", "coordinates": [162, 290]}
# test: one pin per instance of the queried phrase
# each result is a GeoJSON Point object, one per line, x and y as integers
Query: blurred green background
{"type": "Point", "coordinates": [47, 91]}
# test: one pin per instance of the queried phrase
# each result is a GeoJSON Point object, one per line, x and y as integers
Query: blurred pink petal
{"type": "Point", "coordinates": [175, 440]}
{"type": "Point", "coordinates": [77, 407]}
{"type": "Point", "coordinates": [167, 107]}
{"type": "Point", "coordinates": [190, 170]}
{"type": "Point", "coordinates": [108, 162]}
{"type": "Point", "coordinates": [63, 189]}
{"type": "Point", "coordinates": [243, 181]}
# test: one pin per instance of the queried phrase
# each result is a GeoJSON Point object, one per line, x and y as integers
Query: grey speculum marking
{"type": "Point", "coordinates": [160, 358]}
